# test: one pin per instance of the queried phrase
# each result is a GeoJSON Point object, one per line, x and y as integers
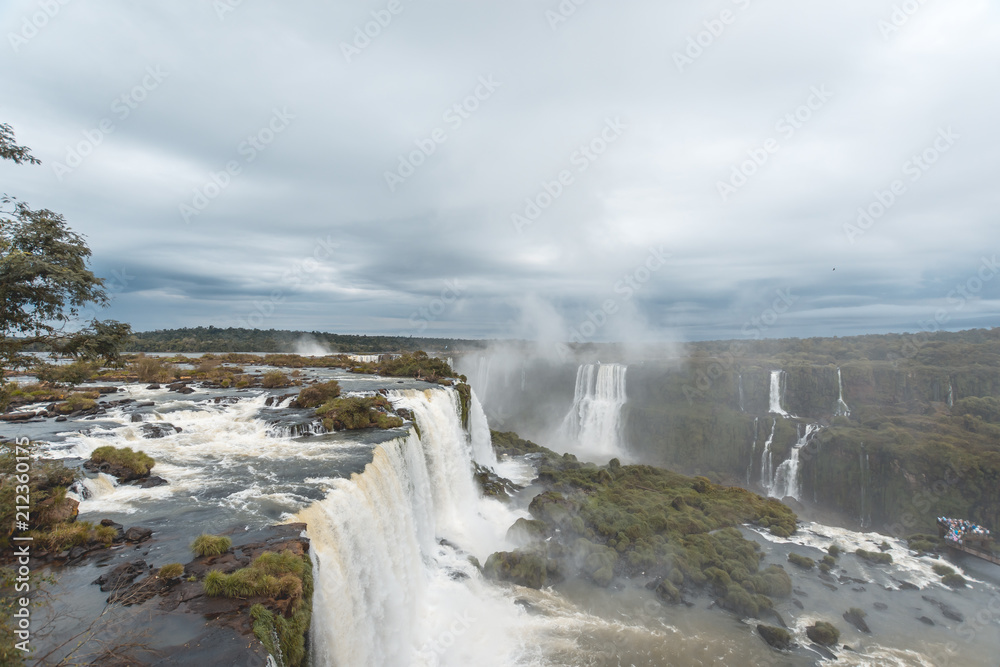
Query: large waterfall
{"type": "Point", "coordinates": [766, 463]}
{"type": "Point", "coordinates": [394, 584]}
{"type": "Point", "coordinates": [592, 427]}
{"type": "Point", "coordinates": [776, 391]}
{"type": "Point", "coordinates": [787, 481]}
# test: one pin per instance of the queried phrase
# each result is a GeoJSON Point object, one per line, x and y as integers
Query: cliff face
{"type": "Point", "coordinates": [908, 451]}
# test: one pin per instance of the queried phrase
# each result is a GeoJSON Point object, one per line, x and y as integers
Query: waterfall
{"type": "Point", "coordinates": [842, 409]}
{"type": "Point", "coordinates": [951, 396]}
{"type": "Point", "coordinates": [479, 434]}
{"type": "Point", "coordinates": [89, 488]}
{"type": "Point", "coordinates": [866, 510]}
{"type": "Point", "coordinates": [482, 378]}
{"type": "Point", "coordinates": [753, 449]}
{"type": "Point", "coordinates": [787, 480]}
{"type": "Point", "coordinates": [593, 425]}
{"type": "Point", "coordinates": [739, 384]}
{"type": "Point", "coordinates": [766, 467]}
{"type": "Point", "coordinates": [392, 587]}
{"type": "Point", "coordinates": [776, 394]}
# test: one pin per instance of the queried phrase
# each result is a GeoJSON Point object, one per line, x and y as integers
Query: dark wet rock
{"type": "Point", "coordinates": [104, 390]}
{"type": "Point", "coordinates": [17, 416]}
{"type": "Point", "coordinates": [136, 418]}
{"type": "Point", "coordinates": [881, 606]}
{"type": "Point", "coordinates": [493, 485]}
{"type": "Point", "coordinates": [151, 482]}
{"type": "Point", "coordinates": [141, 591]}
{"type": "Point", "coordinates": [798, 603]}
{"type": "Point", "coordinates": [55, 510]}
{"type": "Point", "coordinates": [823, 651]}
{"type": "Point", "coordinates": [859, 589]}
{"type": "Point", "coordinates": [62, 418]}
{"type": "Point", "coordinates": [830, 586]}
{"type": "Point", "coordinates": [138, 534]}
{"type": "Point", "coordinates": [946, 609]}
{"type": "Point", "coordinates": [121, 576]}
{"type": "Point", "coordinates": [856, 617]}
{"type": "Point", "coordinates": [907, 586]}
{"type": "Point", "coordinates": [145, 404]}
{"type": "Point", "coordinates": [775, 637]}
{"type": "Point", "coordinates": [180, 388]}
{"type": "Point", "coordinates": [800, 593]}
{"type": "Point", "coordinates": [523, 568]}
{"type": "Point", "coordinates": [153, 386]}
{"type": "Point", "coordinates": [766, 614]}
{"type": "Point", "coordinates": [151, 430]}
{"type": "Point", "coordinates": [117, 526]}
{"type": "Point", "coordinates": [925, 620]}
{"type": "Point", "coordinates": [823, 633]}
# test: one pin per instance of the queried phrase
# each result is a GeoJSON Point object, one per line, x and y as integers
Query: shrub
{"type": "Point", "coordinates": [941, 569]}
{"type": "Point", "coordinates": [953, 580]}
{"type": "Point", "coordinates": [138, 462]}
{"type": "Point", "coordinates": [77, 372]}
{"type": "Point", "coordinates": [171, 571]}
{"type": "Point", "coordinates": [875, 557]}
{"type": "Point", "coordinates": [76, 402]}
{"type": "Point", "coordinates": [275, 379]}
{"type": "Point", "coordinates": [151, 369]}
{"type": "Point", "coordinates": [834, 550]}
{"type": "Point", "coordinates": [211, 545]}
{"type": "Point", "coordinates": [317, 395]}
{"type": "Point", "coordinates": [802, 561]}
{"type": "Point", "coordinates": [823, 633]}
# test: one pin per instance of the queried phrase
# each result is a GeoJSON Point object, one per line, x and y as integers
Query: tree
{"type": "Point", "coordinates": [44, 281]}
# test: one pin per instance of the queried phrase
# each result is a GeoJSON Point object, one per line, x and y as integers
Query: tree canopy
{"type": "Point", "coordinates": [45, 281]}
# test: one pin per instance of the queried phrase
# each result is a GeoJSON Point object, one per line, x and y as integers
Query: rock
{"type": "Point", "coordinates": [525, 531]}
{"type": "Point", "coordinates": [151, 482]}
{"type": "Point", "coordinates": [526, 569]}
{"type": "Point", "coordinates": [907, 586]}
{"type": "Point", "coordinates": [138, 534]}
{"type": "Point", "coordinates": [61, 418]}
{"type": "Point", "coordinates": [798, 603]}
{"type": "Point", "coordinates": [49, 511]}
{"type": "Point", "coordinates": [17, 416]}
{"type": "Point", "coordinates": [117, 526]}
{"type": "Point", "coordinates": [151, 430]}
{"type": "Point", "coordinates": [136, 418]}
{"type": "Point", "coordinates": [881, 606]}
{"type": "Point", "coordinates": [800, 593]}
{"type": "Point", "coordinates": [925, 620]}
{"type": "Point", "coordinates": [153, 386]}
{"type": "Point", "coordinates": [823, 633]}
{"type": "Point", "coordinates": [823, 651]}
{"type": "Point", "coordinates": [104, 390]}
{"type": "Point", "coordinates": [775, 637]}
{"type": "Point", "coordinates": [856, 617]}
{"type": "Point", "coordinates": [121, 576]}
{"type": "Point", "coordinates": [946, 610]}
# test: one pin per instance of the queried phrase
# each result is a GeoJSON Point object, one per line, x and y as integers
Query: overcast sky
{"type": "Point", "coordinates": [697, 168]}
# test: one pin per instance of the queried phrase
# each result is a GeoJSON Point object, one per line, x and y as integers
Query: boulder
{"type": "Point", "coordinates": [775, 637]}
{"type": "Point", "coordinates": [856, 617]}
{"type": "Point", "coordinates": [151, 430]}
{"type": "Point", "coordinates": [138, 534]}
{"type": "Point", "coordinates": [823, 633]}
{"type": "Point", "coordinates": [151, 482]}
{"type": "Point", "coordinates": [121, 576]}
{"type": "Point", "coordinates": [946, 609]}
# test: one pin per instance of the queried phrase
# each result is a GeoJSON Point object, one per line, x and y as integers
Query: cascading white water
{"type": "Point", "coordinates": [739, 384]}
{"type": "Point", "coordinates": [951, 396]}
{"type": "Point", "coordinates": [592, 427]}
{"type": "Point", "coordinates": [479, 434]}
{"type": "Point", "coordinates": [766, 465]}
{"type": "Point", "coordinates": [389, 591]}
{"type": "Point", "coordinates": [787, 480]}
{"type": "Point", "coordinates": [842, 409]}
{"type": "Point", "coordinates": [753, 449]}
{"type": "Point", "coordinates": [866, 511]}
{"type": "Point", "coordinates": [482, 377]}
{"type": "Point", "coordinates": [775, 395]}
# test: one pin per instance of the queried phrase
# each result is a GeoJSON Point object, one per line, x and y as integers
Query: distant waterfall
{"type": "Point", "coordinates": [753, 449]}
{"type": "Point", "coordinates": [766, 465]}
{"type": "Point", "coordinates": [479, 434]}
{"type": "Point", "coordinates": [865, 501]}
{"type": "Point", "coordinates": [951, 396]}
{"type": "Point", "coordinates": [593, 424]}
{"type": "Point", "coordinates": [787, 481]}
{"type": "Point", "coordinates": [739, 385]}
{"type": "Point", "coordinates": [386, 582]}
{"type": "Point", "coordinates": [776, 394]}
{"type": "Point", "coordinates": [842, 409]}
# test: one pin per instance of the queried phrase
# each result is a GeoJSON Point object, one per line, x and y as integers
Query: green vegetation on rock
{"type": "Point", "coordinates": [874, 557]}
{"type": "Point", "coordinates": [823, 633]}
{"type": "Point", "coordinates": [318, 394]}
{"type": "Point", "coordinates": [801, 561]}
{"type": "Point", "coordinates": [358, 412]}
{"type": "Point", "coordinates": [211, 545]}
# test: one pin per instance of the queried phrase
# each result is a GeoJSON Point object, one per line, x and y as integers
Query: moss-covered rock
{"type": "Point", "coordinates": [775, 637]}
{"type": "Point", "coordinates": [823, 633]}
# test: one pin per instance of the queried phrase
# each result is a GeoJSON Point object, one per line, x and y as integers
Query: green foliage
{"type": "Point", "coordinates": [834, 550]}
{"type": "Point", "coordinates": [46, 486]}
{"type": "Point", "coordinates": [138, 462]}
{"type": "Point", "coordinates": [358, 412]}
{"type": "Point", "coordinates": [465, 400]}
{"type": "Point", "coordinates": [76, 402]}
{"type": "Point", "coordinates": [924, 543]}
{"type": "Point", "coordinates": [776, 637]}
{"type": "Point", "coordinates": [211, 545]}
{"type": "Point", "coordinates": [62, 536]}
{"type": "Point", "coordinates": [77, 372]}
{"type": "Point", "coordinates": [941, 569]}
{"type": "Point", "coordinates": [318, 394]}
{"type": "Point", "coordinates": [801, 561]}
{"type": "Point", "coordinates": [274, 380]}
{"type": "Point", "coordinates": [875, 557]}
{"type": "Point", "coordinates": [823, 633]}
{"type": "Point", "coordinates": [954, 580]}
{"type": "Point", "coordinates": [151, 369]}
{"type": "Point", "coordinates": [171, 571]}
{"type": "Point", "coordinates": [283, 576]}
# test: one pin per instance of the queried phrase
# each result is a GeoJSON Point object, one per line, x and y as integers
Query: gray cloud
{"type": "Point", "coordinates": [309, 230]}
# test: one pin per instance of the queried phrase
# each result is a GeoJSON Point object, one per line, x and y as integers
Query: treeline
{"type": "Point", "coordinates": [213, 339]}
